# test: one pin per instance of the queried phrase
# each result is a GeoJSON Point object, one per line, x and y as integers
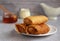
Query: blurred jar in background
{"type": "Point", "coordinates": [24, 13]}
{"type": "Point", "coordinates": [9, 18]}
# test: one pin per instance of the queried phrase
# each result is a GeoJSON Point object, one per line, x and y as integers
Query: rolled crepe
{"type": "Point", "coordinates": [20, 28]}
{"type": "Point", "coordinates": [38, 29]}
{"type": "Point", "coordinates": [35, 19]}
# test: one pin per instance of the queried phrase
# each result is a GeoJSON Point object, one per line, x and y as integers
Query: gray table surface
{"type": "Point", "coordinates": [7, 33]}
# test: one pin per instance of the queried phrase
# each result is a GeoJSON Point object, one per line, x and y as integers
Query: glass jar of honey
{"type": "Point", "coordinates": [9, 18]}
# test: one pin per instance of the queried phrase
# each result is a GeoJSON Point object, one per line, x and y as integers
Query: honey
{"type": "Point", "coordinates": [10, 18]}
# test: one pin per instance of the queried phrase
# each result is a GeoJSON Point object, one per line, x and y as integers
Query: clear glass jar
{"type": "Point", "coordinates": [9, 18]}
{"type": "Point", "coordinates": [24, 13]}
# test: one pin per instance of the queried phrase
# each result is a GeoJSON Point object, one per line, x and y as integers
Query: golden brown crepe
{"type": "Point", "coordinates": [35, 19]}
{"type": "Point", "coordinates": [38, 29]}
{"type": "Point", "coordinates": [33, 25]}
{"type": "Point", "coordinates": [20, 28]}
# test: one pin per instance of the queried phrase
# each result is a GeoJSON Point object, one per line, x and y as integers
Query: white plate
{"type": "Point", "coordinates": [53, 30]}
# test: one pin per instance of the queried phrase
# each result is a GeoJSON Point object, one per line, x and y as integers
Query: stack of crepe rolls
{"type": "Point", "coordinates": [33, 25]}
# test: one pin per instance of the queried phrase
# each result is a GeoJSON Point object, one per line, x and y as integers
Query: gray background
{"type": "Point", "coordinates": [33, 5]}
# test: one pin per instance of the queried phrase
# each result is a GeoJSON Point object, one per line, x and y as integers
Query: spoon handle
{"type": "Point", "coordinates": [5, 9]}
